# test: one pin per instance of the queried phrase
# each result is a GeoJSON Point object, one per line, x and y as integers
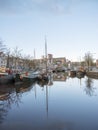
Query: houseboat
{"type": "Point", "coordinates": [6, 76]}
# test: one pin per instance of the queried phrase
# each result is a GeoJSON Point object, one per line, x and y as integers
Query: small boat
{"type": "Point", "coordinates": [6, 78]}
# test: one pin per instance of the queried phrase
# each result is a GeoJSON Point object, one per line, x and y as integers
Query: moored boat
{"type": "Point", "coordinates": [6, 78]}
{"type": "Point", "coordinates": [29, 76]}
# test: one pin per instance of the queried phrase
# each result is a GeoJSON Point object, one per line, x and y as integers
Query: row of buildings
{"type": "Point", "coordinates": [26, 63]}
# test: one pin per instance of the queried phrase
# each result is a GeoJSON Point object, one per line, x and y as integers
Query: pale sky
{"type": "Point", "coordinates": [71, 27]}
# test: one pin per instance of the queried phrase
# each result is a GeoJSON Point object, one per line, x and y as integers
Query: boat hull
{"type": "Point", "coordinates": [4, 79]}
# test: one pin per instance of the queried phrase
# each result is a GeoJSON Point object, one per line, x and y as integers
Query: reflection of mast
{"type": "Point", "coordinates": [80, 81]}
{"type": "Point", "coordinates": [46, 73]}
{"type": "Point", "coordinates": [47, 100]}
{"type": "Point", "coordinates": [35, 91]}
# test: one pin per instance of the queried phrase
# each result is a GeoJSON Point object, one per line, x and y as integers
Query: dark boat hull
{"type": "Point", "coordinates": [4, 79]}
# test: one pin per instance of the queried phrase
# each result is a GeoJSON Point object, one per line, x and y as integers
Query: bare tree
{"type": "Point", "coordinates": [28, 62]}
{"type": "Point", "coordinates": [16, 54]}
{"type": "Point", "coordinates": [88, 60]}
{"type": "Point", "coordinates": [8, 57]}
{"type": "Point", "coordinates": [2, 47]}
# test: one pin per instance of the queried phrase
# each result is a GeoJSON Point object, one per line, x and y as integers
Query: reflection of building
{"type": "Point", "coordinates": [59, 77]}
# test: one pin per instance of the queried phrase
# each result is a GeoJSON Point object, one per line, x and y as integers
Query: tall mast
{"type": "Point", "coordinates": [34, 59]}
{"type": "Point", "coordinates": [46, 52]}
{"type": "Point", "coordinates": [34, 54]}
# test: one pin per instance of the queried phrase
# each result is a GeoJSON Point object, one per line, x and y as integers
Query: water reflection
{"type": "Point", "coordinates": [89, 89]}
{"type": "Point", "coordinates": [59, 76]}
{"type": "Point", "coordinates": [8, 96]}
{"type": "Point", "coordinates": [24, 87]}
{"type": "Point", "coordinates": [58, 104]}
{"type": "Point", "coordinates": [12, 94]}
{"type": "Point", "coordinates": [3, 111]}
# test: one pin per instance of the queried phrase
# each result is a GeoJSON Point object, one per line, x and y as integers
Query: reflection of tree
{"type": "Point", "coordinates": [8, 96]}
{"type": "Point", "coordinates": [11, 94]}
{"type": "Point", "coordinates": [6, 102]}
{"type": "Point", "coordinates": [3, 111]}
{"type": "Point", "coordinates": [89, 87]}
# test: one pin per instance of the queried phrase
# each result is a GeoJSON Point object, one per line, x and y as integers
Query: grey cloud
{"type": "Point", "coordinates": [9, 6]}
{"type": "Point", "coordinates": [32, 5]}
{"type": "Point", "coordinates": [57, 6]}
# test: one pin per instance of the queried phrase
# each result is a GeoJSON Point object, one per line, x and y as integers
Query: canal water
{"type": "Point", "coordinates": [64, 103]}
